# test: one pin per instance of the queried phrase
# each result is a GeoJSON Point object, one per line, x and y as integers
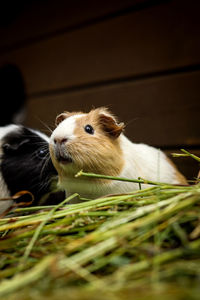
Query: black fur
{"type": "Point", "coordinates": [25, 163]}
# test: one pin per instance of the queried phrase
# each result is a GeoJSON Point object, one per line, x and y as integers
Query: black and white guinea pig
{"type": "Point", "coordinates": [94, 142]}
{"type": "Point", "coordinates": [25, 163]}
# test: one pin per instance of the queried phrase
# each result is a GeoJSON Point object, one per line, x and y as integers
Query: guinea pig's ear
{"type": "Point", "coordinates": [110, 125]}
{"type": "Point", "coordinates": [60, 118]}
{"type": "Point", "coordinates": [13, 147]}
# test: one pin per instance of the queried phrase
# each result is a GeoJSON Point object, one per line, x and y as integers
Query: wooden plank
{"type": "Point", "coordinates": [33, 20]}
{"type": "Point", "coordinates": [160, 37]}
{"type": "Point", "coordinates": [160, 111]}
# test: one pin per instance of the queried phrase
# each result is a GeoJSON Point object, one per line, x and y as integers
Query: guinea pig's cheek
{"type": "Point", "coordinates": [52, 154]}
{"type": "Point", "coordinates": [51, 150]}
{"type": "Point", "coordinates": [53, 157]}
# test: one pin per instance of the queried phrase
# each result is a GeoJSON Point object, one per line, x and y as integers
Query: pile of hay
{"type": "Point", "coordinates": [142, 245]}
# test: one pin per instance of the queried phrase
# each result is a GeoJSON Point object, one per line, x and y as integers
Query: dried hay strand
{"type": "Point", "coordinates": [144, 244]}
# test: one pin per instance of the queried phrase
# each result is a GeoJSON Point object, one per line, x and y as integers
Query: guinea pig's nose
{"type": "Point", "coordinates": [60, 141]}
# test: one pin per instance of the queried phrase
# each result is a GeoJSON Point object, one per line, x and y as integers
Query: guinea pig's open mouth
{"type": "Point", "coordinates": [62, 157]}
{"type": "Point", "coordinates": [64, 160]}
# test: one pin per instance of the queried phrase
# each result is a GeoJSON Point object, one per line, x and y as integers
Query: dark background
{"type": "Point", "coordinates": [140, 58]}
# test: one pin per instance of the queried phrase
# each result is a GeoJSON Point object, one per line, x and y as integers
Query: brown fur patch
{"type": "Point", "coordinates": [179, 177]}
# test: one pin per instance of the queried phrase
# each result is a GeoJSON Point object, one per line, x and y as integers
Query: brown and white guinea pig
{"type": "Point", "coordinates": [25, 163]}
{"type": "Point", "coordinates": [94, 142]}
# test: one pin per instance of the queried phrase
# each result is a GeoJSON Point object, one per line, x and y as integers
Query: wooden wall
{"type": "Point", "coordinates": [141, 58]}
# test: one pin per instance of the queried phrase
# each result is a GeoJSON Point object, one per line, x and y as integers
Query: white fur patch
{"type": "Point", "coordinates": [4, 130]}
{"type": "Point", "coordinates": [146, 162]}
{"type": "Point", "coordinates": [40, 134]}
{"type": "Point", "coordinates": [65, 130]}
{"type": "Point", "coordinates": [7, 129]}
{"type": "Point", "coordinates": [4, 194]}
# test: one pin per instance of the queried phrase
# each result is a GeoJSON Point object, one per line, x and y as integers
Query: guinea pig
{"type": "Point", "coordinates": [25, 163]}
{"type": "Point", "coordinates": [94, 142]}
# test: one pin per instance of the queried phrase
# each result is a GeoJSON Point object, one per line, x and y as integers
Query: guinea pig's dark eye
{"type": "Point", "coordinates": [89, 129]}
{"type": "Point", "coordinates": [41, 153]}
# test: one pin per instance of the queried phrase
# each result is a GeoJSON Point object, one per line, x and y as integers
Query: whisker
{"type": "Point", "coordinates": [46, 161]}
{"type": "Point", "coordinates": [131, 121]}
{"type": "Point", "coordinates": [45, 125]}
